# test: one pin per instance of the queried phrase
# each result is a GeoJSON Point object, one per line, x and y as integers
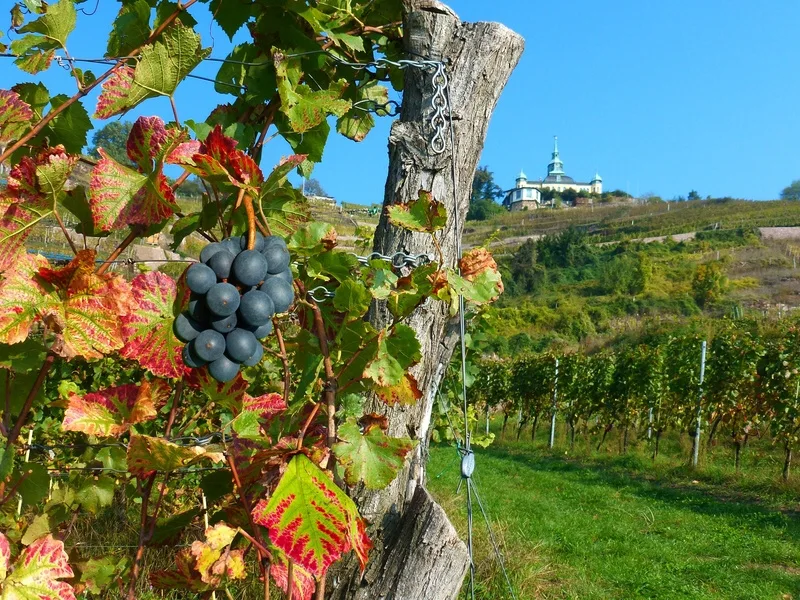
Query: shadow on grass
{"type": "Point", "coordinates": [676, 488]}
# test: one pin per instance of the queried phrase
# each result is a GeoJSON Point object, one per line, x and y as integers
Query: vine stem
{"type": "Point", "coordinates": [64, 231]}
{"type": "Point", "coordinates": [258, 542]}
{"type": "Point", "coordinates": [148, 523]}
{"type": "Point", "coordinates": [251, 220]}
{"type": "Point", "coordinates": [329, 393]}
{"type": "Point", "coordinates": [287, 377]}
{"type": "Point", "coordinates": [179, 181]}
{"type": "Point", "coordinates": [84, 91]}
{"type": "Point", "coordinates": [26, 407]}
{"type": "Point", "coordinates": [135, 232]}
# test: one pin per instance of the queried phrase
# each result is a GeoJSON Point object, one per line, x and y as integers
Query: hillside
{"type": "Point", "coordinates": [585, 275]}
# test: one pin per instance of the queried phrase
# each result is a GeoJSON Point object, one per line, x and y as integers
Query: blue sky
{"type": "Point", "coordinates": [658, 97]}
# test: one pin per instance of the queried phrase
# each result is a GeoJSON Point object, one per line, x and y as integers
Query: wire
{"type": "Point", "coordinates": [493, 540]}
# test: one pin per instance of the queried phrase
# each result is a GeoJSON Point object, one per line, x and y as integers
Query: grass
{"type": "Point", "coordinates": [603, 527]}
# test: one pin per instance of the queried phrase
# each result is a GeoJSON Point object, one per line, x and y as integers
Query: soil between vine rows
{"type": "Point", "coordinates": [598, 526]}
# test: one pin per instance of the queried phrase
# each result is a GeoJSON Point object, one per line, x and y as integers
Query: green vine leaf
{"type": "Point", "coordinates": [311, 520]}
{"type": "Point", "coordinates": [162, 65]}
{"type": "Point", "coordinates": [131, 28]}
{"type": "Point", "coordinates": [36, 572]}
{"type": "Point", "coordinates": [45, 35]}
{"type": "Point", "coordinates": [352, 298]}
{"type": "Point", "coordinates": [147, 455]}
{"type": "Point", "coordinates": [423, 214]}
{"type": "Point", "coordinates": [304, 107]}
{"type": "Point", "coordinates": [395, 354]}
{"type": "Point", "coordinates": [229, 394]}
{"type": "Point", "coordinates": [372, 457]}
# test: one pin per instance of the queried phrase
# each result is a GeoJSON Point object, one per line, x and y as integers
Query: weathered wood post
{"type": "Point", "coordinates": [418, 554]}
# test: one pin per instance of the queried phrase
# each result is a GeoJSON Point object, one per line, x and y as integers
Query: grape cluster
{"type": "Point", "coordinates": [235, 293]}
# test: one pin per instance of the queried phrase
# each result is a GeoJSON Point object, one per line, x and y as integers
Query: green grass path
{"type": "Point", "coordinates": [585, 530]}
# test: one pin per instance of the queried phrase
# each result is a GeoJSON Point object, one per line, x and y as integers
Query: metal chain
{"type": "Point", "coordinates": [441, 110]}
{"type": "Point", "coordinates": [398, 260]}
{"type": "Point", "coordinates": [390, 108]}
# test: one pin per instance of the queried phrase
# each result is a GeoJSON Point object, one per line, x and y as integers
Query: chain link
{"type": "Point", "coordinates": [320, 293]}
{"type": "Point", "coordinates": [441, 110]}
{"type": "Point", "coordinates": [391, 108]}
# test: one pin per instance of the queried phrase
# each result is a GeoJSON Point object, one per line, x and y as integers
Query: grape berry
{"type": "Point", "coordinates": [235, 293]}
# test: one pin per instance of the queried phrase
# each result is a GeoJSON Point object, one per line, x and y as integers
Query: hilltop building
{"type": "Point", "coordinates": [527, 194]}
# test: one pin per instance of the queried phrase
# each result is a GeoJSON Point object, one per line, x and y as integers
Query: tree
{"type": "Point", "coordinates": [485, 192]}
{"type": "Point", "coordinates": [191, 188]}
{"type": "Point", "coordinates": [313, 187]}
{"type": "Point", "coordinates": [693, 195]}
{"type": "Point", "coordinates": [709, 283]}
{"type": "Point", "coordinates": [792, 191]}
{"type": "Point", "coordinates": [112, 138]}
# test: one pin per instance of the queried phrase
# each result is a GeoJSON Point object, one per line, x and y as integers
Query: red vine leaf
{"type": "Point", "coordinates": [228, 395]}
{"type": "Point", "coordinates": [15, 116]}
{"type": "Point", "coordinates": [406, 392]}
{"type": "Point", "coordinates": [303, 584]}
{"type": "Point", "coordinates": [147, 455]}
{"type": "Point", "coordinates": [113, 99]}
{"type": "Point", "coordinates": [311, 520]}
{"type": "Point", "coordinates": [217, 160]}
{"type": "Point", "coordinates": [147, 330]}
{"type": "Point", "coordinates": [112, 411]}
{"type": "Point", "coordinates": [36, 571]}
{"type": "Point", "coordinates": [266, 406]}
{"type": "Point", "coordinates": [144, 143]}
{"type": "Point", "coordinates": [80, 306]}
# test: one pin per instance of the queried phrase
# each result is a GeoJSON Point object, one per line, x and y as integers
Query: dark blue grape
{"type": "Point", "coordinates": [221, 263]}
{"type": "Point", "coordinates": [278, 259]}
{"type": "Point", "coordinates": [186, 328]}
{"type": "Point", "coordinates": [261, 331]}
{"type": "Point", "coordinates": [256, 358]}
{"type": "Point", "coordinates": [190, 358]}
{"type": "Point", "coordinates": [222, 299]}
{"type": "Point", "coordinates": [210, 250]}
{"type": "Point", "coordinates": [256, 308]}
{"type": "Point", "coordinates": [209, 345]}
{"type": "Point", "coordinates": [224, 324]}
{"type": "Point", "coordinates": [282, 293]}
{"type": "Point", "coordinates": [240, 345]}
{"type": "Point", "coordinates": [232, 245]}
{"type": "Point", "coordinates": [199, 278]}
{"type": "Point", "coordinates": [274, 240]}
{"type": "Point", "coordinates": [197, 308]}
{"type": "Point", "coordinates": [223, 369]}
{"type": "Point", "coordinates": [284, 275]}
{"type": "Point", "coordinates": [249, 268]}
{"type": "Point", "coordinates": [259, 242]}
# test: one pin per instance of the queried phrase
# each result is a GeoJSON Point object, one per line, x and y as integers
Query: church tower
{"type": "Point", "coordinates": [556, 167]}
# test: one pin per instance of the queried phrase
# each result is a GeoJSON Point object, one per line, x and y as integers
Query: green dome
{"type": "Point", "coordinates": [597, 177]}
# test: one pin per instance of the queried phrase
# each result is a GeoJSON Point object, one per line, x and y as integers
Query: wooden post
{"type": "Point", "coordinates": [696, 442]}
{"type": "Point", "coordinates": [418, 554]}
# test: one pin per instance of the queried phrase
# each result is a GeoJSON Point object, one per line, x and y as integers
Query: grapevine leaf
{"type": "Point", "coordinates": [485, 287]}
{"type": "Point", "coordinates": [285, 210]}
{"type": "Point", "coordinates": [303, 584]}
{"type": "Point", "coordinates": [371, 457]}
{"type": "Point", "coordinates": [358, 121]}
{"type": "Point", "coordinates": [406, 392]}
{"type": "Point", "coordinates": [423, 214]}
{"type": "Point", "coordinates": [161, 67]}
{"type": "Point", "coordinates": [311, 520]}
{"type": "Point", "coordinates": [182, 577]}
{"type": "Point", "coordinates": [45, 35]}
{"type": "Point", "coordinates": [227, 395]}
{"type": "Point", "coordinates": [352, 298]}
{"type": "Point", "coordinates": [112, 189]}
{"type": "Point", "coordinates": [95, 493]}
{"type": "Point", "coordinates": [114, 98]}
{"type": "Point", "coordinates": [131, 28]}
{"type": "Point", "coordinates": [265, 406]}
{"type": "Point", "coordinates": [6, 462]}
{"type": "Point", "coordinates": [230, 16]}
{"type": "Point", "coordinates": [69, 128]}
{"type": "Point", "coordinates": [34, 95]}
{"type": "Point", "coordinates": [146, 455]}
{"type": "Point", "coordinates": [15, 116]}
{"type": "Point", "coordinates": [21, 299]}
{"type": "Point", "coordinates": [5, 556]}
{"type": "Point", "coordinates": [32, 481]}
{"type": "Point", "coordinates": [214, 560]}
{"type": "Point", "coordinates": [411, 290]}
{"type": "Point", "coordinates": [149, 337]}
{"type": "Point", "coordinates": [145, 140]}
{"type": "Point", "coordinates": [112, 411]}
{"type": "Point", "coordinates": [304, 107]}
{"type": "Point", "coordinates": [97, 574]}
{"type": "Point", "coordinates": [169, 529]}
{"type": "Point", "coordinates": [39, 527]}
{"type": "Point", "coordinates": [37, 571]}
{"type": "Point", "coordinates": [395, 354]}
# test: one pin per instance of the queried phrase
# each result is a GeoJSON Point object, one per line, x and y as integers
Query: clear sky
{"type": "Point", "coordinates": [658, 97]}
